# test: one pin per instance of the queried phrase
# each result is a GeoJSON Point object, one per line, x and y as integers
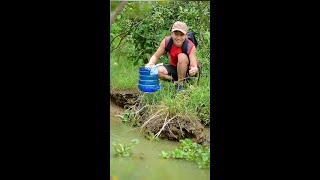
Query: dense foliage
{"type": "Point", "coordinates": [190, 151]}
{"type": "Point", "coordinates": [145, 24]}
{"type": "Point", "coordinates": [135, 36]}
{"type": "Point", "coordinates": [124, 149]}
{"type": "Point", "coordinates": [137, 33]}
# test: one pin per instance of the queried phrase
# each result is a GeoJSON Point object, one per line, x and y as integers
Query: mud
{"type": "Point", "coordinates": [160, 120]}
{"type": "Point", "coordinates": [124, 98]}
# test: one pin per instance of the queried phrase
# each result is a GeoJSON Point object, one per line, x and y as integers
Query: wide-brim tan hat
{"type": "Point", "coordinates": [180, 26]}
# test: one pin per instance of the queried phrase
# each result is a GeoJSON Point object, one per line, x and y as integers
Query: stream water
{"type": "Point", "coordinates": [151, 166]}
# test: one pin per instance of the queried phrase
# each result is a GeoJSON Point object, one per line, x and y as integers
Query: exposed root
{"type": "Point", "coordinates": [141, 109]}
{"type": "Point", "coordinates": [171, 132]}
{"type": "Point", "coordinates": [180, 128]}
{"type": "Point", "coordinates": [120, 116]}
{"type": "Point", "coordinates": [155, 115]}
{"type": "Point", "coordinates": [159, 120]}
{"type": "Point", "coordinates": [164, 124]}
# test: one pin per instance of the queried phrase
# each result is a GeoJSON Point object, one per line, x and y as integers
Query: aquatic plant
{"type": "Point", "coordinates": [124, 149]}
{"type": "Point", "coordinates": [151, 136]}
{"type": "Point", "coordinates": [129, 116]}
{"type": "Point", "coordinates": [190, 151]}
{"type": "Point", "coordinates": [125, 116]}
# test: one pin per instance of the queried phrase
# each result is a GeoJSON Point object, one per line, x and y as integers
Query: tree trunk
{"type": "Point", "coordinates": [118, 10]}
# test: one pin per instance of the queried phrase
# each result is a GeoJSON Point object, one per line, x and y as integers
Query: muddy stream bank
{"type": "Point", "coordinates": [178, 128]}
{"type": "Point", "coordinates": [148, 164]}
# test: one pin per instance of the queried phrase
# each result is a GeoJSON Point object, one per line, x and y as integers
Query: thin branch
{"type": "Point", "coordinates": [163, 127]}
{"type": "Point", "coordinates": [141, 109]}
{"type": "Point", "coordinates": [155, 115]}
{"type": "Point", "coordinates": [125, 34]}
{"type": "Point", "coordinates": [171, 132]}
{"type": "Point", "coordinates": [180, 128]}
{"type": "Point", "coordinates": [119, 42]}
{"type": "Point", "coordinates": [116, 37]}
{"type": "Point", "coordinates": [117, 11]}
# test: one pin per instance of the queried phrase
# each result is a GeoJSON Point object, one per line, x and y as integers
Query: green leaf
{"type": "Point", "coordinates": [135, 141]}
{"type": "Point", "coordinates": [121, 147]}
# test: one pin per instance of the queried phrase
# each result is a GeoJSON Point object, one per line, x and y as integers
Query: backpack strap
{"type": "Point", "coordinates": [169, 45]}
{"type": "Point", "coordinates": [185, 47]}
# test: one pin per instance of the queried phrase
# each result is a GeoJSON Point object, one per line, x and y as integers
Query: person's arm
{"type": "Point", "coordinates": [157, 54]}
{"type": "Point", "coordinates": [193, 62]}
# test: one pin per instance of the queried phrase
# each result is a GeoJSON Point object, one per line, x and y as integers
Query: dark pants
{"type": "Point", "coordinates": [172, 71]}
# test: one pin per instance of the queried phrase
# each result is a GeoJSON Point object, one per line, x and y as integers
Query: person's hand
{"type": "Point", "coordinates": [149, 65]}
{"type": "Point", "coordinates": [193, 71]}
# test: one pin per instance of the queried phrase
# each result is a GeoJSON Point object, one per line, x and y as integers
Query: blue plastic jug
{"type": "Point", "coordinates": [149, 81]}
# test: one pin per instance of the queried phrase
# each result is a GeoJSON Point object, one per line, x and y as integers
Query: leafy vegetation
{"type": "Point", "coordinates": [190, 151]}
{"type": "Point", "coordinates": [151, 136]}
{"type": "Point", "coordinates": [136, 34]}
{"type": "Point", "coordinates": [145, 24]}
{"type": "Point", "coordinates": [130, 117]}
{"type": "Point", "coordinates": [124, 149]}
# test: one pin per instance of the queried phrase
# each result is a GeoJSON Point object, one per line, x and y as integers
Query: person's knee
{"type": "Point", "coordinates": [183, 58]}
{"type": "Point", "coordinates": [162, 70]}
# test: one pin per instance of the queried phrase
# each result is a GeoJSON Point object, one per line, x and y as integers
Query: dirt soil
{"type": "Point", "coordinates": [179, 127]}
{"type": "Point", "coordinates": [124, 98]}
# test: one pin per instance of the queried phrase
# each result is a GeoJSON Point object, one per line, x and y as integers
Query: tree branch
{"type": "Point", "coordinates": [117, 11]}
{"type": "Point", "coordinates": [124, 34]}
{"type": "Point", "coordinates": [119, 42]}
{"type": "Point", "coordinates": [116, 37]}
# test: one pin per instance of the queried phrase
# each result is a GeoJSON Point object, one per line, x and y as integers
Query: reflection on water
{"type": "Point", "coordinates": [151, 166]}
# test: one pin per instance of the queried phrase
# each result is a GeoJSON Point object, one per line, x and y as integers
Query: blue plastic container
{"type": "Point", "coordinates": [148, 77]}
{"type": "Point", "coordinates": [149, 88]}
{"type": "Point", "coordinates": [145, 73]}
{"type": "Point", "coordinates": [147, 82]}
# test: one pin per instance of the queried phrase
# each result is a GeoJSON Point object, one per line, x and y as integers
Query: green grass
{"type": "Point", "coordinates": [123, 75]}
{"type": "Point", "coordinates": [193, 101]}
